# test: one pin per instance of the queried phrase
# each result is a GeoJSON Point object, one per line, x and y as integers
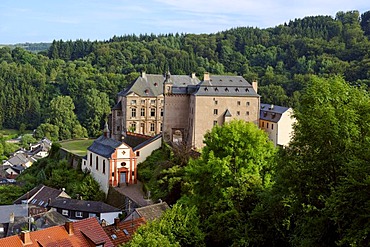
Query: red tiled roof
{"type": "Point", "coordinates": [85, 233]}
{"type": "Point", "coordinates": [117, 234]}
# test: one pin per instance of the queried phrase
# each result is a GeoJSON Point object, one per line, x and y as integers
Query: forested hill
{"type": "Point", "coordinates": [280, 58]}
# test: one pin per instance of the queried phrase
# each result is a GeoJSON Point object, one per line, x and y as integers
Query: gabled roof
{"type": "Point", "coordinates": [153, 211]}
{"type": "Point", "coordinates": [84, 233]}
{"type": "Point", "coordinates": [225, 85]}
{"type": "Point", "coordinates": [18, 159]}
{"type": "Point", "coordinates": [104, 146]}
{"type": "Point", "coordinates": [134, 139]}
{"type": "Point", "coordinates": [49, 219]}
{"type": "Point", "coordinates": [152, 85]}
{"type": "Point", "coordinates": [83, 206]}
{"type": "Point", "coordinates": [121, 232]}
{"type": "Point", "coordinates": [272, 113]}
{"type": "Point", "coordinates": [40, 195]}
{"type": "Point", "coordinates": [17, 210]}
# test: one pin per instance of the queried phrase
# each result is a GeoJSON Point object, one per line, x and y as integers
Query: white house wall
{"type": "Point", "coordinates": [285, 130]}
{"type": "Point", "coordinates": [98, 175]}
{"type": "Point", "coordinates": [109, 217]}
{"type": "Point", "coordinates": [147, 150]}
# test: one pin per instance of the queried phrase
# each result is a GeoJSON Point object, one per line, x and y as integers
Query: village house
{"type": "Point", "coordinates": [74, 209]}
{"type": "Point", "coordinates": [122, 232]}
{"type": "Point", "coordinates": [87, 233]}
{"type": "Point", "coordinates": [278, 122]}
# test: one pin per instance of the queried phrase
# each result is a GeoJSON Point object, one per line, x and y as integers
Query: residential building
{"type": "Point", "coordinates": [122, 232]}
{"type": "Point", "coordinates": [278, 122]}
{"type": "Point", "coordinates": [139, 107]}
{"type": "Point", "coordinates": [39, 198]}
{"type": "Point", "coordinates": [192, 110]}
{"type": "Point", "coordinates": [149, 213]}
{"type": "Point", "coordinates": [74, 209]}
{"type": "Point", "coordinates": [83, 233]}
{"type": "Point", "coordinates": [114, 163]}
{"type": "Point", "coordinates": [8, 216]}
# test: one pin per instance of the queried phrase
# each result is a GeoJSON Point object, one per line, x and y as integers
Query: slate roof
{"type": "Point", "coordinates": [40, 195]}
{"type": "Point", "coordinates": [272, 114]}
{"type": "Point", "coordinates": [18, 159]}
{"type": "Point", "coordinates": [146, 142]}
{"type": "Point", "coordinates": [227, 113]}
{"type": "Point", "coordinates": [133, 139]}
{"type": "Point", "coordinates": [6, 210]}
{"type": "Point", "coordinates": [104, 146]}
{"type": "Point", "coordinates": [86, 233]}
{"type": "Point", "coordinates": [118, 106]}
{"type": "Point", "coordinates": [122, 232]}
{"type": "Point", "coordinates": [224, 85]}
{"type": "Point", "coordinates": [152, 85]}
{"type": "Point", "coordinates": [83, 206]}
{"type": "Point", "coordinates": [153, 211]}
{"type": "Point", "coordinates": [49, 219]}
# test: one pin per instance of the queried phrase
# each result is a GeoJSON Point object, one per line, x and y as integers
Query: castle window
{"type": "Point", "coordinates": [238, 113]}
{"type": "Point", "coordinates": [142, 112]}
{"type": "Point", "coordinates": [133, 102]}
{"type": "Point", "coordinates": [143, 101]}
{"type": "Point", "coordinates": [161, 112]}
{"type": "Point", "coordinates": [238, 102]}
{"type": "Point", "coordinates": [152, 112]}
{"type": "Point", "coordinates": [215, 122]}
{"type": "Point", "coordinates": [216, 102]}
{"type": "Point", "coordinates": [133, 112]}
{"type": "Point", "coordinates": [152, 101]}
{"type": "Point", "coordinates": [215, 111]}
{"type": "Point", "coordinates": [272, 126]}
{"type": "Point", "coordinates": [152, 127]}
{"type": "Point", "coordinates": [247, 103]}
{"type": "Point", "coordinates": [247, 113]}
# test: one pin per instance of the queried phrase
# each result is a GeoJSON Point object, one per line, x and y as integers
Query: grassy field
{"type": "Point", "coordinates": [78, 147]}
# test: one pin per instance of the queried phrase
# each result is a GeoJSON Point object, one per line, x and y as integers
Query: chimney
{"type": "Point", "coordinates": [206, 76]}
{"type": "Point", "coordinates": [103, 223]}
{"type": "Point", "coordinates": [255, 85]}
{"type": "Point", "coordinates": [192, 75]}
{"type": "Point", "coordinates": [69, 227]}
{"type": "Point", "coordinates": [116, 222]}
{"type": "Point", "coordinates": [25, 237]}
{"type": "Point", "coordinates": [11, 218]}
{"type": "Point", "coordinates": [143, 74]}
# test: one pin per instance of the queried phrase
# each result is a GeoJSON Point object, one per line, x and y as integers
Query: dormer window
{"type": "Point", "coordinates": [226, 90]}
{"type": "Point", "coordinates": [236, 89]}
{"type": "Point", "coordinates": [205, 89]}
{"type": "Point", "coordinates": [155, 84]}
{"type": "Point", "coordinates": [216, 89]}
{"type": "Point", "coordinates": [247, 90]}
{"type": "Point", "coordinates": [146, 91]}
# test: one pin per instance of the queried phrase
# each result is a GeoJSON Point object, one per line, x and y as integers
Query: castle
{"type": "Point", "coordinates": [182, 107]}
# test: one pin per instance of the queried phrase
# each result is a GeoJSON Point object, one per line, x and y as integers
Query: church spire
{"type": "Point", "coordinates": [106, 130]}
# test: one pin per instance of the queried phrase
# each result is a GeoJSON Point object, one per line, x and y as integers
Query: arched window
{"type": "Point", "coordinates": [90, 159]}
{"type": "Point", "coordinates": [97, 163]}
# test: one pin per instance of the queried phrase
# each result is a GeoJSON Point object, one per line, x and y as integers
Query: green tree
{"type": "Point", "coordinates": [235, 166]}
{"type": "Point", "coordinates": [47, 130]}
{"type": "Point", "coordinates": [179, 226]}
{"type": "Point", "coordinates": [27, 140]}
{"type": "Point", "coordinates": [331, 141]}
{"type": "Point", "coordinates": [61, 114]}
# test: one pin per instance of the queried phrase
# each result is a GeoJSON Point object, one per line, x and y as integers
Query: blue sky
{"type": "Point", "coordinates": [43, 21]}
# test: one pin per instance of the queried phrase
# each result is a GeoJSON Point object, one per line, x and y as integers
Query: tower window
{"type": "Point", "coordinates": [215, 111]}
{"type": "Point", "coordinates": [133, 112]}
